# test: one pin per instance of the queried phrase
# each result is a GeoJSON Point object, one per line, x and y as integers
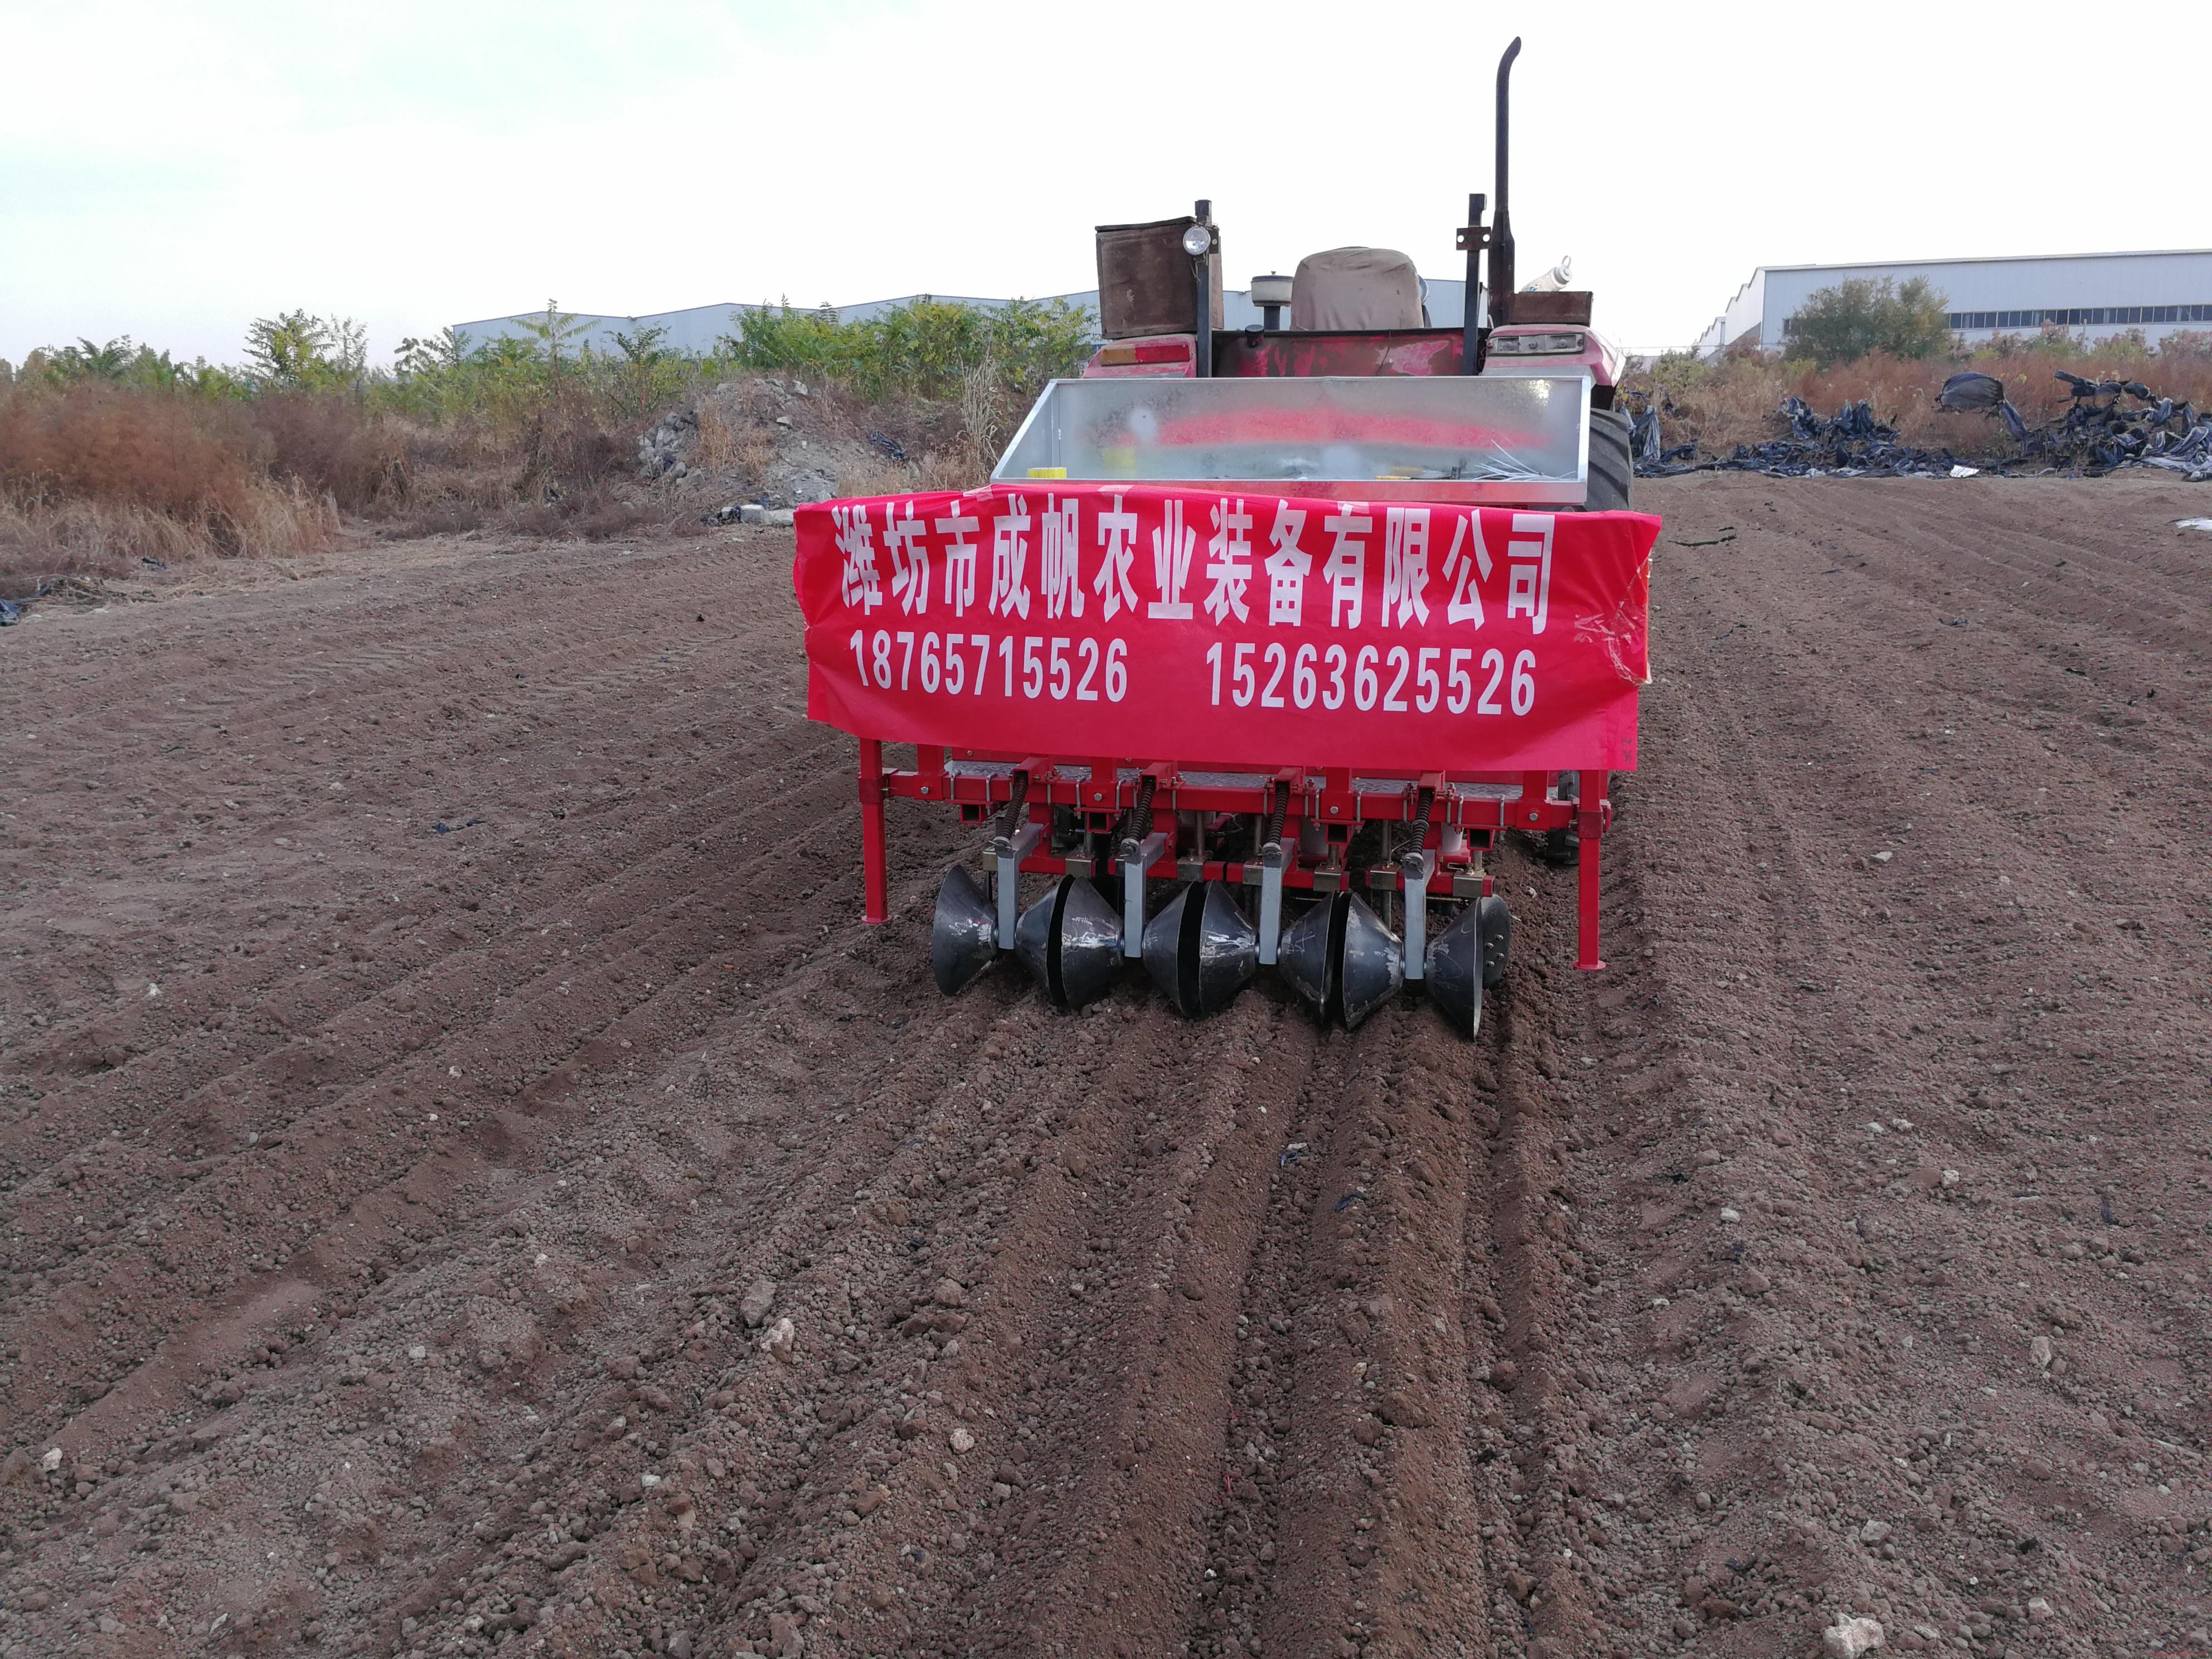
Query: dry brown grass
{"type": "Point", "coordinates": [191, 459]}
{"type": "Point", "coordinates": [944, 450]}
{"type": "Point", "coordinates": [111, 538]}
{"type": "Point", "coordinates": [879, 474]}
{"type": "Point", "coordinates": [333, 445]}
{"type": "Point", "coordinates": [94, 478]}
{"type": "Point", "coordinates": [457, 478]}
{"type": "Point", "coordinates": [604, 513]}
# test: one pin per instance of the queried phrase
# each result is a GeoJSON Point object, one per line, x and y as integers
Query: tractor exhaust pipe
{"type": "Point", "coordinates": [1204, 249]}
{"type": "Point", "coordinates": [1501, 231]}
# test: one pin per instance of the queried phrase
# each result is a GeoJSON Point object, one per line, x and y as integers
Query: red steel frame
{"type": "Point", "coordinates": [1338, 802]}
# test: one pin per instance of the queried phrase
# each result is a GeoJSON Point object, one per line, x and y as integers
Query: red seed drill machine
{"type": "Point", "coordinates": [1255, 630]}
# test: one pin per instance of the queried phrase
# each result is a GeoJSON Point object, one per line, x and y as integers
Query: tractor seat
{"type": "Point", "coordinates": [1357, 289]}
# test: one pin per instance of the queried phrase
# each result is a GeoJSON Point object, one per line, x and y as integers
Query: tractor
{"type": "Point", "coordinates": [1418, 624]}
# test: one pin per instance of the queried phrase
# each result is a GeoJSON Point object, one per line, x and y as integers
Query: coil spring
{"type": "Point", "coordinates": [1011, 817]}
{"type": "Point", "coordinates": [1139, 820]}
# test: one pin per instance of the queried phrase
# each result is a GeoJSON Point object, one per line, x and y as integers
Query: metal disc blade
{"type": "Point", "coordinates": [1033, 936]}
{"type": "Point", "coordinates": [1304, 960]}
{"type": "Point", "coordinates": [1201, 950]}
{"type": "Point", "coordinates": [1228, 950]}
{"type": "Point", "coordinates": [1454, 967]}
{"type": "Point", "coordinates": [1164, 948]}
{"type": "Point", "coordinates": [1496, 939]}
{"type": "Point", "coordinates": [1371, 965]}
{"type": "Point", "coordinates": [963, 936]}
{"type": "Point", "coordinates": [1089, 945]}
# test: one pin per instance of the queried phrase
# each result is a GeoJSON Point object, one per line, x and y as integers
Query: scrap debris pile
{"type": "Point", "coordinates": [2098, 434]}
{"type": "Point", "coordinates": [2109, 424]}
{"type": "Point", "coordinates": [1853, 445]}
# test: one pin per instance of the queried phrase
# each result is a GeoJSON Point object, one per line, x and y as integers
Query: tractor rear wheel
{"type": "Point", "coordinates": [1612, 473]}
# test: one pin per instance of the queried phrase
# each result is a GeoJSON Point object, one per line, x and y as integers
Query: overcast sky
{"type": "Point", "coordinates": [170, 172]}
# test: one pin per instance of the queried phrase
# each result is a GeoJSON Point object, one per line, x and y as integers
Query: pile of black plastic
{"type": "Point", "coordinates": [1651, 461]}
{"type": "Point", "coordinates": [2110, 424]}
{"type": "Point", "coordinates": [1854, 445]}
{"type": "Point", "coordinates": [2114, 423]}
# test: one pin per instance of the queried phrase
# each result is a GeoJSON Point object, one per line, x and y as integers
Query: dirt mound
{"type": "Point", "coordinates": [473, 1184]}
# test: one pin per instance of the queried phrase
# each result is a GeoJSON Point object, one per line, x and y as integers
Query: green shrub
{"type": "Point", "coordinates": [1842, 324]}
{"type": "Point", "coordinates": [927, 349]}
{"type": "Point", "coordinates": [121, 362]}
{"type": "Point", "coordinates": [1678, 371]}
{"type": "Point", "coordinates": [293, 351]}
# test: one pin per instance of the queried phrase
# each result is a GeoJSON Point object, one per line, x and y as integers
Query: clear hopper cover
{"type": "Point", "coordinates": [1506, 435]}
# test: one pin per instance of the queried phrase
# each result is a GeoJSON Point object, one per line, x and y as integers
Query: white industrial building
{"type": "Point", "coordinates": [2096, 296]}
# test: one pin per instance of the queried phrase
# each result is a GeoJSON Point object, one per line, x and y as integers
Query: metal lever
{"type": "Point", "coordinates": [1136, 857]}
{"type": "Point", "coordinates": [1009, 851]}
{"type": "Point", "coordinates": [1417, 868]}
{"type": "Point", "coordinates": [1273, 857]}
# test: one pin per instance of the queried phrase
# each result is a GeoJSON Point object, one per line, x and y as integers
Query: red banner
{"type": "Point", "coordinates": [1150, 623]}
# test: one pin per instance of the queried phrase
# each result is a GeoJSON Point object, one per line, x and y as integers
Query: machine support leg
{"type": "Point", "coordinates": [1136, 857]}
{"type": "Point", "coordinates": [1273, 857]}
{"type": "Point", "coordinates": [875, 863]}
{"type": "Point", "coordinates": [1009, 851]}
{"type": "Point", "coordinates": [1592, 826]}
{"type": "Point", "coordinates": [1417, 868]}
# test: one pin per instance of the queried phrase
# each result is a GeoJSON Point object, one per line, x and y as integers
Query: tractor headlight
{"type": "Point", "coordinates": [1198, 239]}
{"type": "Point", "coordinates": [1569, 344]}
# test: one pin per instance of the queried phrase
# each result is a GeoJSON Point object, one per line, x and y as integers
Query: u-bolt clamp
{"type": "Point", "coordinates": [1416, 867]}
{"type": "Point", "coordinates": [1009, 851]}
{"type": "Point", "coordinates": [1274, 858]}
{"type": "Point", "coordinates": [1136, 857]}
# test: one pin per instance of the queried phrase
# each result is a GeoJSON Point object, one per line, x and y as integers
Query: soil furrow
{"type": "Point", "coordinates": [1833, 1252]}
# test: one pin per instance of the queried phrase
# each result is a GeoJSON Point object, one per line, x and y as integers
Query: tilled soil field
{"type": "Point", "coordinates": [472, 1183]}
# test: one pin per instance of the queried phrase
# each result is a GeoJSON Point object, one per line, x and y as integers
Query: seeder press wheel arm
{"type": "Point", "coordinates": [1119, 818]}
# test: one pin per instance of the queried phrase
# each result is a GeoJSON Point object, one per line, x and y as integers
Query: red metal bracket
{"type": "Point", "coordinates": [875, 862]}
{"type": "Point", "coordinates": [1337, 805]}
{"type": "Point", "coordinates": [1596, 811]}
